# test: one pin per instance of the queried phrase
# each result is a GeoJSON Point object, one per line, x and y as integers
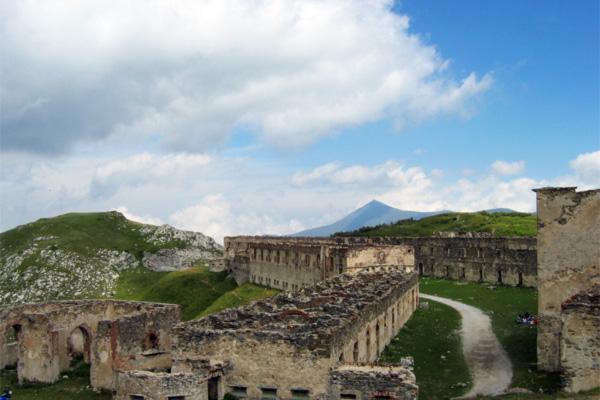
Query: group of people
{"type": "Point", "coordinates": [527, 319]}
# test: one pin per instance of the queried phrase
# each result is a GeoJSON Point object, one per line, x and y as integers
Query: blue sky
{"type": "Point", "coordinates": [271, 117]}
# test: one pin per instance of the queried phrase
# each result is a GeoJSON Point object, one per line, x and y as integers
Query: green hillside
{"type": "Point", "coordinates": [500, 224]}
{"type": "Point", "coordinates": [240, 296]}
{"type": "Point", "coordinates": [194, 289]}
{"type": "Point", "coordinates": [83, 233]}
{"type": "Point", "coordinates": [82, 255]}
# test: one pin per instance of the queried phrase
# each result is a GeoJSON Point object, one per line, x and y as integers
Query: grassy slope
{"type": "Point", "coordinates": [429, 334]}
{"type": "Point", "coordinates": [75, 387]}
{"type": "Point", "coordinates": [503, 304]}
{"type": "Point", "coordinates": [502, 224]}
{"type": "Point", "coordinates": [194, 289]}
{"type": "Point", "coordinates": [241, 295]}
{"type": "Point", "coordinates": [83, 233]}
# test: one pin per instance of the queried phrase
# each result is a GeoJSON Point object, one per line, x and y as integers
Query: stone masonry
{"type": "Point", "coordinates": [568, 276]}
{"type": "Point", "coordinates": [288, 263]}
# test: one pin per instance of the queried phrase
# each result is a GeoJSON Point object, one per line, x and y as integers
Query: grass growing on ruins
{"type": "Point", "coordinates": [239, 296]}
{"type": "Point", "coordinates": [431, 337]}
{"type": "Point", "coordinates": [194, 289]}
{"type": "Point", "coordinates": [501, 224]}
{"type": "Point", "coordinates": [73, 386]}
{"type": "Point", "coordinates": [503, 304]}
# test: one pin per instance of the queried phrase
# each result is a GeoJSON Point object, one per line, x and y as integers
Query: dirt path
{"type": "Point", "coordinates": [490, 367]}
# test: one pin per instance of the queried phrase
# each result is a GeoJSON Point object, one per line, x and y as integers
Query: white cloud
{"type": "Point", "coordinates": [185, 74]}
{"type": "Point", "coordinates": [214, 216]}
{"type": "Point", "coordinates": [587, 168]}
{"type": "Point", "coordinates": [145, 219]}
{"type": "Point", "coordinates": [500, 167]}
{"type": "Point", "coordinates": [231, 196]}
{"type": "Point", "coordinates": [144, 167]}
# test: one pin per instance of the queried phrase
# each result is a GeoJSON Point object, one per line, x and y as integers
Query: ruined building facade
{"type": "Point", "coordinates": [569, 285]}
{"type": "Point", "coordinates": [42, 339]}
{"type": "Point", "coordinates": [288, 263]}
{"type": "Point", "coordinates": [319, 342]}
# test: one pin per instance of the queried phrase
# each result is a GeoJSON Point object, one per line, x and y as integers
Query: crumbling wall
{"type": "Point", "coordinates": [568, 260]}
{"type": "Point", "coordinates": [373, 382]}
{"type": "Point", "coordinates": [288, 344]}
{"type": "Point", "coordinates": [138, 342]}
{"type": "Point", "coordinates": [580, 341]}
{"type": "Point", "coordinates": [160, 386]}
{"type": "Point", "coordinates": [50, 332]}
{"type": "Point", "coordinates": [360, 258]}
{"type": "Point", "coordinates": [470, 257]}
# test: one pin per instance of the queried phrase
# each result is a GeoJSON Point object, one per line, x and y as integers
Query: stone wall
{"type": "Point", "coordinates": [148, 385]}
{"type": "Point", "coordinates": [568, 260]}
{"type": "Point", "coordinates": [290, 264]}
{"type": "Point", "coordinates": [468, 257]}
{"type": "Point", "coordinates": [373, 382]}
{"type": "Point", "coordinates": [580, 341]}
{"type": "Point", "coordinates": [49, 335]}
{"type": "Point", "coordinates": [288, 345]}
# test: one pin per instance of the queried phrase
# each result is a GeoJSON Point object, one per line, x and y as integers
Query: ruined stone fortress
{"type": "Point", "coordinates": [343, 301]}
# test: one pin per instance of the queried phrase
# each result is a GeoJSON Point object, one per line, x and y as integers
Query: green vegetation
{"type": "Point", "coordinates": [83, 233]}
{"type": "Point", "coordinates": [195, 289]}
{"type": "Point", "coordinates": [73, 386]}
{"type": "Point", "coordinates": [503, 304]}
{"type": "Point", "coordinates": [239, 296]}
{"type": "Point", "coordinates": [500, 223]}
{"type": "Point", "coordinates": [431, 337]}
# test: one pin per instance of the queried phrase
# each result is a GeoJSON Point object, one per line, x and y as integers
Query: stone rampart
{"type": "Point", "coordinates": [468, 257]}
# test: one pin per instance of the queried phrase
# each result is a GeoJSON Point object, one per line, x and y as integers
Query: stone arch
{"type": "Point", "coordinates": [13, 333]}
{"type": "Point", "coordinates": [420, 269]}
{"type": "Point", "coordinates": [355, 352]}
{"type": "Point", "coordinates": [79, 343]}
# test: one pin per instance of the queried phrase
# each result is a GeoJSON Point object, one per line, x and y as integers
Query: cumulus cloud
{"type": "Point", "coordinates": [214, 216]}
{"type": "Point", "coordinates": [587, 168]}
{"type": "Point", "coordinates": [144, 219]}
{"type": "Point", "coordinates": [500, 167]}
{"type": "Point", "coordinates": [228, 196]}
{"type": "Point", "coordinates": [144, 167]}
{"type": "Point", "coordinates": [185, 74]}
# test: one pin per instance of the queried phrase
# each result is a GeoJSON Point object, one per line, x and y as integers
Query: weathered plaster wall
{"type": "Point", "coordinates": [568, 260]}
{"type": "Point", "coordinates": [45, 341]}
{"type": "Point", "coordinates": [580, 341]}
{"type": "Point", "coordinates": [373, 382]}
{"type": "Point", "coordinates": [160, 385]}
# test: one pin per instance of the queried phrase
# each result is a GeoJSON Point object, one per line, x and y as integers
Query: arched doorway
{"type": "Point", "coordinates": [420, 269]}
{"type": "Point", "coordinates": [12, 336]}
{"type": "Point", "coordinates": [79, 344]}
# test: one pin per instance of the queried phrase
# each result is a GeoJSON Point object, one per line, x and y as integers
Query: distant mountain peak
{"type": "Point", "coordinates": [372, 213]}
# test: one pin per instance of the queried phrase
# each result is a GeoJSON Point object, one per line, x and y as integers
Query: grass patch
{"type": "Point", "coordinates": [427, 336]}
{"type": "Point", "coordinates": [75, 387]}
{"type": "Point", "coordinates": [503, 304]}
{"type": "Point", "coordinates": [501, 224]}
{"type": "Point", "coordinates": [239, 296]}
{"type": "Point", "coordinates": [195, 289]}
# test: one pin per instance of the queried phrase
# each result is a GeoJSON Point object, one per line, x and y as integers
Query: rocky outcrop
{"type": "Point", "coordinates": [40, 267]}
